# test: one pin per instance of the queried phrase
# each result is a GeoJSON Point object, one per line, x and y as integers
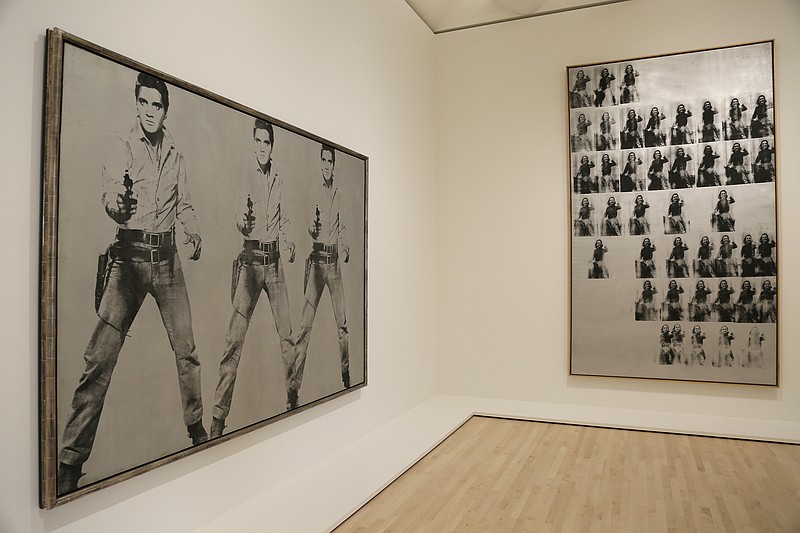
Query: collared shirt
{"type": "Point", "coordinates": [266, 193]}
{"type": "Point", "coordinates": [159, 183]}
{"type": "Point", "coordinates": [326, 216]}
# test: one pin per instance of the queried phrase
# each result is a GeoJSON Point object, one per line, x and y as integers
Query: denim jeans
{"type": "Point", "coordinates": [129, 282]}
{"type": "Point", "coordinates": [253, 278]}
{"type": "Point", "coordinates": [320, 275]}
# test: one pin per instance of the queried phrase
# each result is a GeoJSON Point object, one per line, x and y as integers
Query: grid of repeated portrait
{"type": "Point", "coordinates": [673, 201]}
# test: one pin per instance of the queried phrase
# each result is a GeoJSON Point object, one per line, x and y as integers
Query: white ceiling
{"type": "Point", "coordinates": [450, 15]}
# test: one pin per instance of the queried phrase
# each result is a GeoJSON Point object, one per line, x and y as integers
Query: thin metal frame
{"type": "Point", "coordinates": [48, 442]}
{"type": "Point", "coordinates": [569, 191]}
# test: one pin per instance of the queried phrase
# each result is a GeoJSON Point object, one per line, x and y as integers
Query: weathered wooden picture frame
{"type": "Point", "coordinates": [167, 210]}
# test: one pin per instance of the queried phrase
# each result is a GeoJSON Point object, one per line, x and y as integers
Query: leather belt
{"type": "Point", "coordinates": [326, 248]}
{"type": "Point", "coordinates": [162, 239]}
{"type": "Point", "coordinates": [261, 246]}
{"type": "Point", "coordinates": [323, 258]}
{"type": "Point", "coordinates": [121, 252]}
{"type": "Point", "coordinates": [259, 258]}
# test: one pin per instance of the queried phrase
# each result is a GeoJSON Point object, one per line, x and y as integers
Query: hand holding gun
{"type": "Point", "coordinates": [126, 201]}
{"type": "Point", "coordinates": [316, 224]}
{"type": "Point", "coordinates": [248, 219]}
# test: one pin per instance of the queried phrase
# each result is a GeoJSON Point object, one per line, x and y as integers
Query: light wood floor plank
{"type": "Point", "coordinates": [495, 475]}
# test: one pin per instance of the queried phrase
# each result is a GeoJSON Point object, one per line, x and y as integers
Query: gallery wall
{"type": "Point", "coordinates": [359, 73]}
{"type": "Point", "coordinates": [504, 224]}
{"type": "Point", "coordinates": [468, 233]}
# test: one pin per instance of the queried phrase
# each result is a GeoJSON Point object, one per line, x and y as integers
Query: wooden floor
{"type": "Point", "coordinates": [498, 475]}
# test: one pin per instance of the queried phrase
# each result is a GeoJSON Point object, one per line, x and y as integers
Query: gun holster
{"type": "Point", "coordinates": [307, 271]}
{"type": "Point", "coordinates": [234, 278]}
{"type": "Point", "coordinates": [101, 280]}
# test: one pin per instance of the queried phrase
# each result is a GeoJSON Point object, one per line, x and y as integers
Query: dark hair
{"type": "Point", "coordinates": [146, 80]}
{"type": "Point", "coordinates": [329, 148]}
{"type": "Point", "coordinates": [262, 124]}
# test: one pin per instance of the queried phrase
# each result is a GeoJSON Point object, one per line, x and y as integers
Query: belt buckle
{"type": "Point", "coordinates": [154, 239]}
{"type": "Point", "coordinates": [155, 256]}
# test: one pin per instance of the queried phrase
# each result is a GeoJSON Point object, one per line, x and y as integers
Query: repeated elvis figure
{"type": "Point", "coordinates": [639, 225]}
{"type": "Point", "coordinates": [704, 265]}
{"type": "Point", "coordinates": [722, 218]}
{"type": "Point", "coordinates": [736, 171]}
{"type": "Point", "coordinates": [645, 305]}
{"type": "Point", "coordinates": [654, 134]}
{"type": "Point", "coordinates": [698, 351]}
{"type": "Point", "coordinates": [764, 163]}
{"type": "Point", "coordinates": [723, 304]}
{"type": "Point", "coordinates": [323, 268]}
{"type": "Point", "coordinates": [680, 176]}
{"type": "Point", "coordinates": [736, 128]}
{"type": "Point", "coordinates": [699, 310]}
{"type": "Point", "coordinates": [611, 224]}
{"type": "Point", "coordinates": [681, 132]}
{"type": "Point", "coordinates": [646, 266]}
{"type": "Point", "coordinates": [584, 227]}
{"type": "Point", "coordinates": [597, 266]}
{"type": "Point", "coordinates": [675, 222]}
{"type": "Point", "coordinates": [260, 219]}
{"type": "Point", "coordinates": [676, 263]}
{"type": "Point", "coordinates": [745, 304]}
{"type": "Point", "coordinates": [145, 191]}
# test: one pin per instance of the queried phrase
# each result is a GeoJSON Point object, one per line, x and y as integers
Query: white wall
{"type": "Point", "coordinates": [356, 71]}
{"type": "Point", "coordinates": [466, 133]}
{"type": "Point", "coordinates": [503, 219]}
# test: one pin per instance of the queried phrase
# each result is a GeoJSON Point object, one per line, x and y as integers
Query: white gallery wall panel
{"type": "Point", "coordinates": [359, 73]}
{"type": "Point", "coordinates": [503, 327]}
